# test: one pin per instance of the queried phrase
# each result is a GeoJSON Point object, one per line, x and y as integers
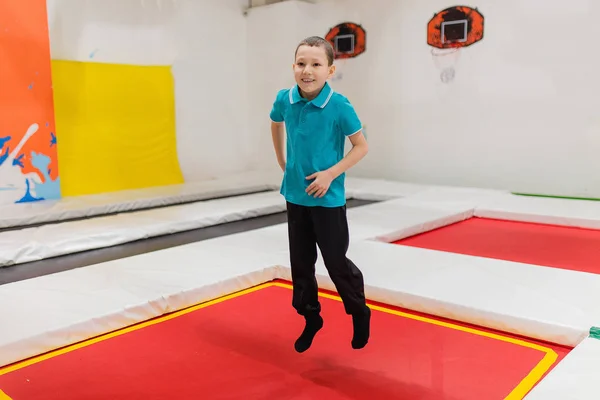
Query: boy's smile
{"type": "Point", "coordinates": [311, 70]}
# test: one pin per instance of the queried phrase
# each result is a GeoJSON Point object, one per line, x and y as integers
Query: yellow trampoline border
{"type": "Point", "coordinates": [517, 393]}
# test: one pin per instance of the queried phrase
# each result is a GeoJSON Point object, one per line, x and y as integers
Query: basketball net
{"type": "Point", "coordinates": [445, 60]}
{"type": "Point", "coordinates": [339, 69]}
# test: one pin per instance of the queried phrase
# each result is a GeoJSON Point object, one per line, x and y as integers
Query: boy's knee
{"type": "Point", "coordinates": [335, 262]}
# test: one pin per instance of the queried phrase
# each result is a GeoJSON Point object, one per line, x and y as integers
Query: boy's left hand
{"type": "Point", "coordinates": [321, 183]}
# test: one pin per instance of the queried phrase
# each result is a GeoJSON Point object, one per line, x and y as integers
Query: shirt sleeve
{"type": "Point", "coordinates": [348, 119]}
{"type": "Point", "coordinates": [277, 111]}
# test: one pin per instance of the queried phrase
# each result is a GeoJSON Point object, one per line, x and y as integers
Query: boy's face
{"type": "Point", "coordinates": [311, 70]}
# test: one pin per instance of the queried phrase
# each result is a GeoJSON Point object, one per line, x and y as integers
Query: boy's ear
{"type": "Point", "coordinates": [331, 69]}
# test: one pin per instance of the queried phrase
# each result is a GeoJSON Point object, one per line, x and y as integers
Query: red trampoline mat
{"type": "Point", "coordinates": [243, 348]}
{"type": "Point", "coordinates": [547, 245]}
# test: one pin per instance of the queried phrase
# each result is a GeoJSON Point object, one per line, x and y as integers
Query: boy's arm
{"type": "Point", "coordinates": [277, 129]}
{"type": "Point", "coordinates": [323, 179]}
{"type": "Point", "coordinates": [350, 127]}
{"type": "Point", "coordinates": [277, 133]}
{"type": "Point", "coordinates": [360, 148]}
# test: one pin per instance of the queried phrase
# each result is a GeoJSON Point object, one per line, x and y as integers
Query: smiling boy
{"type": "Point", "coordinates": [318, 121]}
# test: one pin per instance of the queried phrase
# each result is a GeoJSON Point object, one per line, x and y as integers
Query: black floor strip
{"type": "Point", "coordinates": [35, 269]}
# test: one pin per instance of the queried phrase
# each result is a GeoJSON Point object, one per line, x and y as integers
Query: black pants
{"type": "Point", "coordinates": [309, 227]}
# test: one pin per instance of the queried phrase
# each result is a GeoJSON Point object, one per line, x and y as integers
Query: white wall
{"type": "Point", "coordinates": [212, 110]}
{"type": "Point", "coordinates": [273, 34]}
{"type": "Point", "coordinates": [204, 41]}
{"type": "Point", "coordinates": [522, 113]}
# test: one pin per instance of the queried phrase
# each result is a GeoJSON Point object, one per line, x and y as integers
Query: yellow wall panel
{"type": "Point", "coordinates": [116, 125]}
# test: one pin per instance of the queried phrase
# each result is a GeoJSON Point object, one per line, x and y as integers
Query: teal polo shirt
{"type": "Point", "coordinates": [316, 132]}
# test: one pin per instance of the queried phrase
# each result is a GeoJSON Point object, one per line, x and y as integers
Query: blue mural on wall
{"type": "Point", "coordinates": [19, 186]}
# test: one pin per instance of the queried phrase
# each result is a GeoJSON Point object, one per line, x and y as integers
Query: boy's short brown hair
{"type": "Point", "coordinates": [319, 42]}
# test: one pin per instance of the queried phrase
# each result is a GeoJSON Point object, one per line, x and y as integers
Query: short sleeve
{"type": "Point", "coordinates": [348, 119]}
{"type": "Point", "coordinates": [277, 110]}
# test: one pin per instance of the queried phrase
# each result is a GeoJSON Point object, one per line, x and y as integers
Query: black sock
{"type": "Point", "coordinates": [314, 323]}
{"type": "Point", "coordinates": [361, 324]}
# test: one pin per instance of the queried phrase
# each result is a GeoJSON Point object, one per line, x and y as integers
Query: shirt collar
{"type": "Point", "coordinates": [320, 101]}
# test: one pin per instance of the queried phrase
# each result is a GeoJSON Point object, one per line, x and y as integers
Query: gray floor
{"type": "Point", "coordinates": [64, 263]}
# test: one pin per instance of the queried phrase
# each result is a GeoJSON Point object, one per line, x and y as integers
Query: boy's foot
{"type": "Point", "coordinates": [361, 324]}
{"type": "Point", "coordinates": [314, 323]}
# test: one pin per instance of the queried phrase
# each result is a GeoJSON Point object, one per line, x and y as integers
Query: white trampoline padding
{"type": "Point", "coordinates": [548, 304]}
{"type": "Point", "coordinates": [380, 189]}
{"type": "Point", "coordinates": [45, 313]}
{"type": "Point", "coordinates": [17, 247]}
{"type": "Point", "coordinates": [564, 212]}
{"type": "Point", "coordinates": [545, 303]}
{"type": "Point", "coordinates": [393, 220]}
{"type": "Point", "coordinates": [92, 205]}
{"type": "Point", "coordinates": [61, 309]}
{"type": "Point", "coordinates": [14, 215]}
{"type": "Point", "coordinates": [575, 378]}
{"type": "Point", "coordinates": [38, 243]}
{"type": "Point", "coordinates": [464, 196]}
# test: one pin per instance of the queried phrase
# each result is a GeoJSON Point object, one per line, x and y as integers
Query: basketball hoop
{"type": "Point", "coordinates": [445, 60]}
{"type": "Point", "coordinates": [450, 30]}
{"type": "Point", "coordinates": [349, 40]}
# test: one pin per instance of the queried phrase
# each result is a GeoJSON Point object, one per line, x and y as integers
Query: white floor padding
{"type": "Point", "coordinates": [46, 241]}
{"type": "Point", "coordinates": [60, 309]}
{"type": "Point", "coordinates": [397, 219]}
{"type": "Point", "coordinates": [543, 303]}
{"type": "Point", "coordinates": [556, 305]}
{"type": "Point", "coordinates": [14, 215]}
{"type": "Point", "coordinates": [464, 196]}
{"type": "Point", "coordinates": [565, 212]}
{"type": "Point", "coordinates": [69, 237]}
{"type": "Point", "coordinates": [575, 378]}
{"type": "Point", "coordinates": [380, 189]}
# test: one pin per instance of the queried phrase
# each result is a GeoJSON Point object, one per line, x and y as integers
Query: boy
{"type": "Point", "coordinates": [318, 121]}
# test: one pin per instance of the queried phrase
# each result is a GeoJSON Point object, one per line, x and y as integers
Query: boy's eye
{"type": "Point", "coordinates": [317, 64]}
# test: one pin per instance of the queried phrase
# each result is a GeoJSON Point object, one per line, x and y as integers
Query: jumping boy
{"type": "Point", "coordinates": [317, 121]}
